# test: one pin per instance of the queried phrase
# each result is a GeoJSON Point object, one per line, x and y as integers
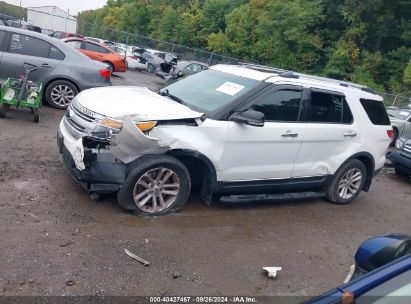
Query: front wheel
{"type": "Point", "coordinates": [155, 186]}
{"type": "Point", "coordinates": [60, 93]}
{"type": "Point", "coordinates": [347, 183]}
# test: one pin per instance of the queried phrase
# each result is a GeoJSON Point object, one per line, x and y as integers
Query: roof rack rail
{"type": "Point", "coordinates": [296, 75]}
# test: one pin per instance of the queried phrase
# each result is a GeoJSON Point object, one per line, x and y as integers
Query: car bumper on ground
{"type": "Point", "coordinates": [400, 160]}
{"type": "Point", "coordinates": [103, 173]}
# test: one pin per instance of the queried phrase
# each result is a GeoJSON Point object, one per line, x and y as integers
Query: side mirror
{"type": "Point", "coordinates": [248, 117]}
{"type": "Point", "coordinates": [378, 251]}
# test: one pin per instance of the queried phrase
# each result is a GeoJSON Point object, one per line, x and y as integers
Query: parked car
{"type": "Point", "coordinates": [226, 130]}
{"type": "Point", "coordinates": [185, 68]}
{"type": "Point", "coordinates": [118, 49]}
{"type": "Point", "coordinates": [401, 156]}
{"type": "Point", "coordinates": [153, 61]}
{"type": "Point", "coordinates": [4, 18]}
{"type": "Point", "coordinates": [62, 35]}
{"type": "Point", "coordinates": [101, 41]}
{"type": "Point", "coordinates": [63, 71]}
{"type": "Point", "coordinates": [99, 52]}
{"type": "Point", "coordinates": [135, 61]}
{"type": "Point", "coordinates": [382, 274]}
{"type": "Point", "coordinates": [398, 117]}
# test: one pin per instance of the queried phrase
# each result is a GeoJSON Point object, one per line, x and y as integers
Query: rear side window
{"type": "Point", "coordinates": [376, 112]}
{"type": "Point", "coordinates": [27, 45]}
{"type": "Point", "coordinates": [326, 107]}
{"type": "Point", "coordinates": [104, 50]}
{"type": "Point", "coordinates": [55, 53]}
{"type": "Point", "coordinates": [282, 105]}
{"type": "Point", "coordinates": [91, 47]}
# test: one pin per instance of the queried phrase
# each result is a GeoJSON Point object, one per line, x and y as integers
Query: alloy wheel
{"type": "Point", "coordinates": [62, 95]}
{"type": "Point", "coordinates": [156, 190]}
{"type": "Point", "coordinates": [350, 183]}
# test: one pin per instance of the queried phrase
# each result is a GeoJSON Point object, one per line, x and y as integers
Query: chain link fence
{"type": "Point", "coordinates": [396, 100]}
{"type": "Point", "coordinates": [131, 39]}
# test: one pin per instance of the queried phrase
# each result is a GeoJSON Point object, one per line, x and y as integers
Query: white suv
{"type": "Point", "coordinates": [229, 130]}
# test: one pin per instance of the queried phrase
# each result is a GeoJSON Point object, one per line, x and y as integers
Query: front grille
{"type": "Point", "coordinates": [79, 121]}
{"type": "Point", "coordinates": [84, 112]}
{"type": "Point", "coordinates": [73, 128]}
{"type": "Point", "coordinates": [407, 147]}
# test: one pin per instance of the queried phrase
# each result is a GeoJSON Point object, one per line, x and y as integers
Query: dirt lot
{"type": "Point", "coordinates": [55, 241]}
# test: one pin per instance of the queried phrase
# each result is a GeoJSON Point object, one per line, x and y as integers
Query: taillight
{"type": "Point", "coordinates": [133, 57]}
{"type": "Point", "coordinates": [390, 133]}
{"type": "Point", "coordinates": [105, 73]}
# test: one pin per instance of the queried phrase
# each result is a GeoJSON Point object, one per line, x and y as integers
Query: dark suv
{"type": "Point", "coordinates": [63, 70]}
{"type": "Point", "coordinates": [401, 156]}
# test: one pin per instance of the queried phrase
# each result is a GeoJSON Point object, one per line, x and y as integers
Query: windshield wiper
{"type": "Point", "coordinates": [173, 97]}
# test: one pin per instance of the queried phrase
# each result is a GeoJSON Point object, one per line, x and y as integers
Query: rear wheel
{"type": "Point", "coordinates": [110, 67]}
{"type": "Point", "coordinates": [3, 110]}
{"type": "Point", "coordinates": [347, 183]}
{"type": "Point", "coordinates": [60, 93]}
{"type": "Point", "coordinates": [155, 186]}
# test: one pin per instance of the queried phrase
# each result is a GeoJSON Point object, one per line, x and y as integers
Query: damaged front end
{"type": "Point", "coordinates": [98, 161]}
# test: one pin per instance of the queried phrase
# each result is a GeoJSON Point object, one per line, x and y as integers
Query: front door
{"type": "Point", "coordinates": [26, 49]}
{"type": "Point", "coordinates": [268, 152]}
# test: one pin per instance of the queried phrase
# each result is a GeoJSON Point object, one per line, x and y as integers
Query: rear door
{"type": "Point", "coordinates": [92, 50]}
{"type": "Point", "coordinates": [330, 134]}
{"type": "Point", "coordinates": [22, 49]}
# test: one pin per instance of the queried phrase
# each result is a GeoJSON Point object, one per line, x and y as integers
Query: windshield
{"type": "Point", "coordinates": [210, 90]}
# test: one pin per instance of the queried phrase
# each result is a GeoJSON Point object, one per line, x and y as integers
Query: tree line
{"type": "Point", "coordinates": [364, 41]}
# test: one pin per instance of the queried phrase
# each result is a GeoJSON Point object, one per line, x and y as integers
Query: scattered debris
{"type": "Point", "coordinates": [67, 244]}
{"type": "Point", "coordinates": [35, 198]}
{"type": "Point", "coordinates": [176, 275]}
{"type": "Point", "coordinates": [272, 271]}
{"type": "Point", "coordinates": [146, 241]}
{"type": "Point", "coordinates": [137, 258]}
{"type": "Point", "coordinates": [70, 283]}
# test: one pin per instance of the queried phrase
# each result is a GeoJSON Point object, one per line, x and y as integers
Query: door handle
{"type": "Point", "coordinates": [289, 133]}
{"type": "Point", "coordinates": [45, 65]}
{"type": "Point", "coordinates": [350, 134]}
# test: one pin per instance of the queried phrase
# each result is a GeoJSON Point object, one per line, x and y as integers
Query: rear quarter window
{"type": "Point", "coordinates": [376, 112]}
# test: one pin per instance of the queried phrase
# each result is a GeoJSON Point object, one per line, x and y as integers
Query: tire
{"type": "Point", "coordinates": [163, 198]}
{"type": "Point", "coordinates": [151, 68]}
{"type": "Point", "coordinates": [36, 115]}
{"type": "Point", "coordinates": [110, 66]}
{"type": "Point", "coordinates": [401, 173]}
{"type": "Point", "coordinates": [3, 110]}
{"type": "Point", "coordinates": [350, 171]}
{"type": "Point", "coordinates": [395, 137]}
{"type": "Point", "coordinates": [60, 93]}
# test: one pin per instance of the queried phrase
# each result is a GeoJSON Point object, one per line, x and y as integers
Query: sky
{"type": "Point", "coordinates": [74, 6]}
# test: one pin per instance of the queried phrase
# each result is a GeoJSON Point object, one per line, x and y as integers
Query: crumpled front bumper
{"type": "Point", "coordinates": [400, 160]}
{"type": "Point", "coordinates": [103, 172]}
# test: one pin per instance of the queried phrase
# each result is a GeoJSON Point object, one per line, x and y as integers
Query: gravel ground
{"type": "Point", "coordinates": [55, 241]}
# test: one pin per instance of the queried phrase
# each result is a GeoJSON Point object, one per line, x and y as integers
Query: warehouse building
{"type": "Point", "coordinates": [51, 18]}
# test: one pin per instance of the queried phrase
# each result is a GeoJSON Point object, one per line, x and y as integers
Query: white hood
{"type": "Point", "coordinates": [139, 102]}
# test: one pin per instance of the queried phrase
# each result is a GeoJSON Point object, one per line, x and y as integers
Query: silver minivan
{"type": "Point", "coordinates": [63, 70]}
